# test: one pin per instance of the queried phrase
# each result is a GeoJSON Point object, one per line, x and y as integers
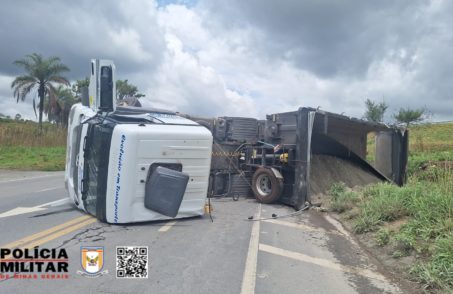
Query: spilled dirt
{"type": "Point", "coordinates": [327, 170]}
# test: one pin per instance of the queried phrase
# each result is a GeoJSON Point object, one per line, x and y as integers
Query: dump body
{"type": "Point", "coordinates": [308, 148]}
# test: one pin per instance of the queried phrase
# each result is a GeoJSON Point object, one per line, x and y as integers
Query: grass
{"type": "Point", "coordinates": [27, 134]}
{"type": "Point", "coordinates": [427, 207]}
{"type": "Point", "coordinates": [24, 147]}
{"type": "Point", "coordinates": [33, 158]}
{"type": "Point", "coordinates": [423, 207]}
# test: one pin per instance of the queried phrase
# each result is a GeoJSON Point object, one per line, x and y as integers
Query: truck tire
{"type": "Point", "coordinates": [266, 186]}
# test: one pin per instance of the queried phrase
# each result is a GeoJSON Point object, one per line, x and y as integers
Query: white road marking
{"type": "Point", "coordinates": [293, 225]}
{"type": "Point", "coordinates": [299, 226]}
{"type": "Point", "coordinates": [167, 226]}
{"type": "Point", "coordinates": [24, 179]}
{"type": "Point", "coordinates": [322, 262]}
{"type": "Point", "coordinates": [49, 189]}
{"type": "Point", "coordinates": [249, 278]}
{"type": "Point", "coordinates": [55, 203]}
{"type": "Point", "coordinates": [21, 210]}
{"type": "Point", "coordinates": [24, 210]}
{"type": "Point", "coordinates": [340, 228]}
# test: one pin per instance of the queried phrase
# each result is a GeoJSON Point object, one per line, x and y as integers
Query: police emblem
{"type": "Point", "coordinates": [92, 259]}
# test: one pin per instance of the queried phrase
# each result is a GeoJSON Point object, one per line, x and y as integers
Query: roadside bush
{"type": "Point", "coordinates": [404, 243]}
{"type": "Point", "coordinates": [382, 203]}
{"type": "Point", "coordinates": [382, 237]}
{"type": "Point", "coordinates": [424, 207]}
{"type": "Point", "coordinates": [341, 198]}
{"type": "Point", "coordinates": [427, 204]}
{"type": "Point", "coordinates": [438, 273]}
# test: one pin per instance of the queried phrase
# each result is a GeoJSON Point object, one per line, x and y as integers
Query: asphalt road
{"type": "Point", "coordinates": [308, 253]}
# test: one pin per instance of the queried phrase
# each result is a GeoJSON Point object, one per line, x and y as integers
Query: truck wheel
{"type": "Point", "coordinates": [266, 186]}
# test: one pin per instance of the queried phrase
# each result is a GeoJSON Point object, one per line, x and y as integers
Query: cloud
{"type": "Point", "coordinates": [77, 31]}
{"type": "Point", "coordinates": [325, 37]}
{"type": "Point", "coordinates": [396, 51]}
{"type": "Point", "coordinates": [184, 82]}
{"type": "Point", "coordinates": [247, 58]}
{"type": "Point", "coordinates": [8, 104]}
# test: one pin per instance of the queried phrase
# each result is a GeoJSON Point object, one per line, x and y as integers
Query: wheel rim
{"type": "Point", "coordinates": [264, 185]}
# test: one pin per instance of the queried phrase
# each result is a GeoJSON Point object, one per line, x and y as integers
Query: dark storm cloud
{"type": "Point", "coordinates": [346, 40]}
{"type": "Point", "coordinates": [326, 37]}
{"type": "Point", "coordinates": [290, 52]}
{"type": "Point", "coordinates": [77, 31]}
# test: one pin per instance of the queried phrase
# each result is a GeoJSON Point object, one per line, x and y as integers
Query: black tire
{"type": "Point", "coordinates": [266, 186]}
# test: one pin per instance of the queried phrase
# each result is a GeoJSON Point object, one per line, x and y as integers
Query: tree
{"type": "Point", "coordinates": [375, 111]}
{"type": "Point", "coordinates": [59, 112]}
{"type": "Point", "coordinates": [18, 116]}
{"type": "Point", "coordinates": [125, 90]}
{"type": "Point", "coordinates": [41, 74]}
{"type": "Point", "coordinates": [408, 116]}
{"type": "Point", "coordinates": [78, 85]}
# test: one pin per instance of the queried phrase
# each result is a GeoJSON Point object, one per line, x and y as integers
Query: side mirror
{"type": "Point", "coordinates": [106, 90]}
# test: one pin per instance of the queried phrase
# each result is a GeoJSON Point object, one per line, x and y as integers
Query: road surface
{"type": "Point", "coordinates": [307, 253]}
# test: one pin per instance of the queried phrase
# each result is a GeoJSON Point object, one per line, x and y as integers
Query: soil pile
{"type": "Point", "coordinates": [327, 169]}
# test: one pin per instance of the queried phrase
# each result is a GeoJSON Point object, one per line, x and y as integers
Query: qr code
{"type": "Point", "coordinates": [132, 262]}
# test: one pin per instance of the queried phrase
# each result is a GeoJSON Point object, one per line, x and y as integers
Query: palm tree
{"type": "Point", "coordinates": [59, 112]}
{"type": "Point", "coordinates": [41, 74]}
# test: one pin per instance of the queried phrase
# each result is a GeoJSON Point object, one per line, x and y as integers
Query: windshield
{"type": "Point", "coordinates": [96, 168]}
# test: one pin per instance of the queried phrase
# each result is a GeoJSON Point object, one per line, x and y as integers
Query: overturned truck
{"type": "Point", "coordinates": [132, 164]}
{"type": "Point", "coordinates": [293, 157]}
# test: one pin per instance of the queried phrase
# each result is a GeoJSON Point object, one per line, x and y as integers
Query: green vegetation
{"type": "Point", "coordinates": [124, 90]}
{"type": "Point", "coordinates": [79, 85]}
{"type": "Point", "coordinates": [24, 147]}
{"type": "Point", "coordinates": [375, 111]}
{"type": "Point", "coordinates": [22, 144]}
{"type": "Point", "coordinates": [408, 116]}
{"type": "Point", "coordinates": [41, 74]}
{"type": "Point", "coordinates": [33, 158]}
{"type": "Point", "coordinates": [416, 219]}
{"type": "Point", "coordinates": [428, 143]}
{"type": "Point", "coordinates": [342, 200]}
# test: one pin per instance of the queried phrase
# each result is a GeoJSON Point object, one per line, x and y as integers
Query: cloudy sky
{"type": "Point", "coordinates": [245, 58]}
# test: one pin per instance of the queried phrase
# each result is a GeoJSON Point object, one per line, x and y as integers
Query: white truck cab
{"type": "Point", "coordinates": [131, 164]}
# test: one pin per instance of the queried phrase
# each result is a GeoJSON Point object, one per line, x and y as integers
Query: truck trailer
{"type": "Point", "coordinates": [289, 157]}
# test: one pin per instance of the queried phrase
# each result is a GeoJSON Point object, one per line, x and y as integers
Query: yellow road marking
{"type": "Point", "coordinates": [60, 233]}
{"type": "Point", "coordinates": [23, 241]}
{"type": "Point", "coordinates": [167, 226]}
